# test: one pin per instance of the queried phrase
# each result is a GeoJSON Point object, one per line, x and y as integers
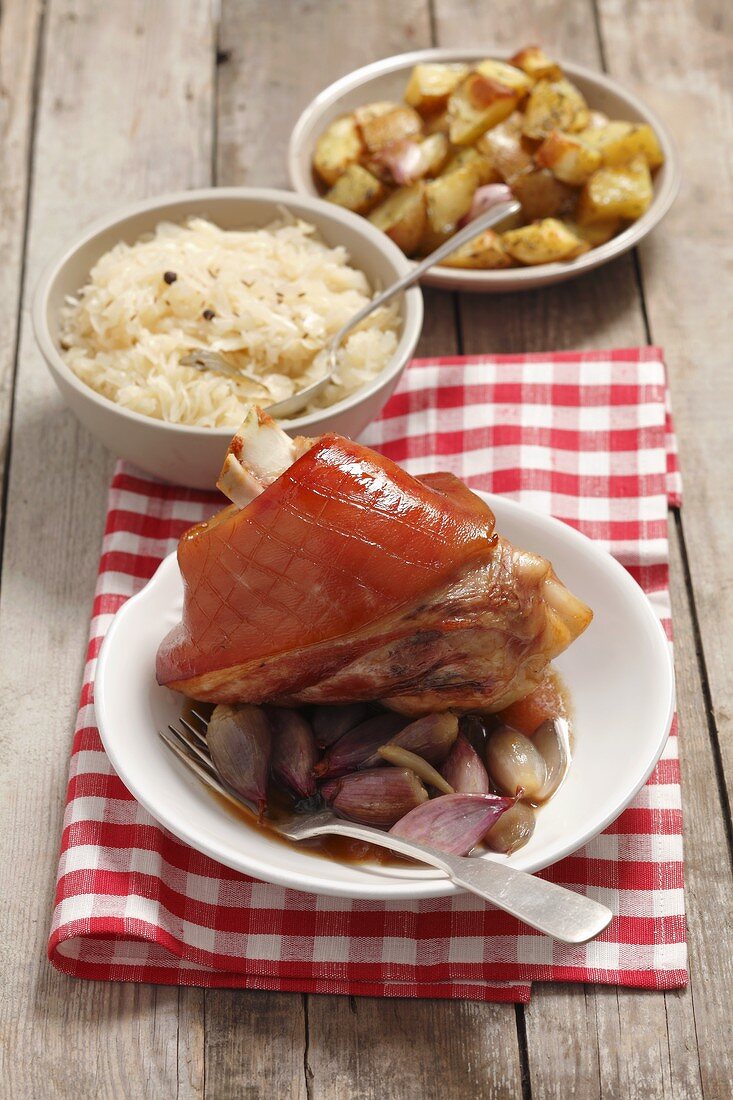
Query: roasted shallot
{"type": "Point", "coordinates": [330, 723]}
{"type": "Point", "coordinates": [357, 747]}
{"type": "Point", "coordinates": [430, 737]}
{"type": "Point", "coordinates": [294, 751]}
{"type": "Point", "coordinates": [377, 796]}
{"type": "Point", "coordinates": [512, 830]}
{"type": "Point", "coordinates": [552, 740]}
{"type": "Point", "coordinates": [453, 823]}
{"type": "Point", "coordinates": [240, 743]}
{"type": "Point", "coordinates": [464, 769]}
{"type": "Point", "coordinates": [514, 764]}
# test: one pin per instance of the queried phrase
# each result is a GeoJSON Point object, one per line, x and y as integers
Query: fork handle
{"type": "Point", "coordinates": [566, 916]}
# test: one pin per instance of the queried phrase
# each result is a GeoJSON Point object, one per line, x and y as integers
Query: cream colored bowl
{"type": "Point", "coordinates": [387, 79]}
{"type": "Point", "coordinates": [188, 455]}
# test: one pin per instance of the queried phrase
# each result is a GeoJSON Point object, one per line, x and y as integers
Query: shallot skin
{"type": "Point", "coordinates": [240, 743]}
{"type": "Point", "coordinates": [356, 748]}
{"type": "Point", "coordinates": [464, 770]}
{"type": "Point", "coordinates": [330, 723]}
{"type": "Point", "coordinates": [294, 751]}
{"type": "Point", "coordinates": [452, 823]}
{"type": "Point", "coordinates": [431, 737]}
{"type": "Point", "coordinates": [377, 796]}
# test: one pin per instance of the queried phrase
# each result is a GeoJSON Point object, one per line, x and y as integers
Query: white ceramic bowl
{"type": "Point", "coordinates": [387, 79]}
{"type": "Point", "coordinates": [619, 674]}
{"type": "Point", "coordinates": [188, 455]}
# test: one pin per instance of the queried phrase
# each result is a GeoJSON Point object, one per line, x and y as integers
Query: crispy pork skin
{"type": "Point", "coordinates": [342, 578]}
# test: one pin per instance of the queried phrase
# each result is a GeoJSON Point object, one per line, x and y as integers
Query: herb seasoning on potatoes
{"type": "Point", "coordinates": [419, 169]}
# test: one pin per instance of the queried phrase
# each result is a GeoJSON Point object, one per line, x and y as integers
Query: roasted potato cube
{"type": "Point", "coordinates": [506, 148]}
{"type": "Point", "coordinates": [596, 233]}
{"type": "Point", "coordinates": [477, 105]}
{"type": "Point", "coordinates": [407, 160]}
{"type": "Point", "coordinates": [338, 147]}
{"type": "Point", "coordinates": [554, 105]}
{"type": "Point", "coordinates": [541, 195]}
{"type": "Point", "coordinates": [509, 75]}
{"type": "Point", "coordinates": [596, 119]}
{"type": "Point", "coordinates": [430, 86]}
{"type": "Point", "coordinates": [568, 157]}
{"type": "Point", "coordinates": [482, 253]}
{"type": "Point", "coordinates": [485, 171]}
{"type": "Point", "coordinates": [620, 142]}
{"type": "Point", "coordinates": [543, 242]}
{"type": "Point", "coordinates": [449, 198]}
{"type": "Point", "coordinates": [437, 124]}
{"type": "Point", "coordinates": [382, 130]}
{"type": "Point", "coordinates": [357, 190]}
{"type": "Point", "coordinates": [616, 193]}
{"type": "Point", "coordinates": [403, 216]}
{"type": "Point", "coordinates": [368, 111]}
{"type": "Point", "coordinates": [431, 240]}
{"type": "Point", "coordinates": [536, 64]}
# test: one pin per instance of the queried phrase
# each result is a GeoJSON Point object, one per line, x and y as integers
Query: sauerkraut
{"type": "Point", "coordinates": [267, 299]}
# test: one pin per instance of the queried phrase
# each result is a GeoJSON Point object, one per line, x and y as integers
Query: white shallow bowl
{"type": "Point", "coordinates": [188, 455]}
{"type": "Point", "coordinates": [619, 674]}
{"type": "Point", "coordinates": [387, 79]}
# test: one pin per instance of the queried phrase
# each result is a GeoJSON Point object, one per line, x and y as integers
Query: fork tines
{"type": "Point", "coordinates": [191, 749]}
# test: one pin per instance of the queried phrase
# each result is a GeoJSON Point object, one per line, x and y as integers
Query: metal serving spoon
{"type": "Point", "coordinates": [505, 206]}
{"type": "Point", "coordinates": [560, 913]}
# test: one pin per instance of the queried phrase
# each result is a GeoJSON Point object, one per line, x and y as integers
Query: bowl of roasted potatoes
{"type": "Point", "coordinates": [418, 144]}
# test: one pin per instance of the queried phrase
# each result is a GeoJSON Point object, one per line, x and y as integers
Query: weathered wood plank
{"type": "Point", "coordinates": [708, 879]}
{"type": "Point", "coordinates": [125, 110]}
{"type": "Point", "coordinates": [255, 1045]}
{"type": "Point", "coordinates": [268, 77]}
{"type": "Point", "coordinates": [191, 1072]}
{"type": "Point", "coordinates": [626, 1038]}
{"type": "Point", "coordinates": [369, 1049]}
{"type": "Point", "coordinates": [19, 33]}
{"type": "Point", "coordinates": [687, 277]}
{"type": "Point", "coordinates": [271, 76]}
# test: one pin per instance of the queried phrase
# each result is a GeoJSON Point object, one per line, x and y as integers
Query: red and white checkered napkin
{"type": "Point", "coordinates": [586, 437]}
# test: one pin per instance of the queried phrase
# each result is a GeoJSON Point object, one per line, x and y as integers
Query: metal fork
{"type": "Point", "coordinates": [505, 207]}
{"type": "Point", "coordinates": [560, 913]}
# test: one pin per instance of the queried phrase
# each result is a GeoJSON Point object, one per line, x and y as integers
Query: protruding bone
{"type": "Point", "coordinates": [258, 454]}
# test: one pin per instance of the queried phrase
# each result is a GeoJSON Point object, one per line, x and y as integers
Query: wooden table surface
{"type": "Point", "coordinates": [102, 103]}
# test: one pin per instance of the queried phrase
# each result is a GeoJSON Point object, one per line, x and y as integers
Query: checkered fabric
{"type": "Point", "coordinates": [586, 437]}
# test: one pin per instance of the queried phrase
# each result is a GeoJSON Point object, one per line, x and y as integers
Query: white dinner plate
{"type": "Point", "coordinates": [619, 674]}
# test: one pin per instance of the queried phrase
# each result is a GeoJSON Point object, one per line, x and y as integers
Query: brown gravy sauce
{"type": "Point", "coordinates": [340, 848]}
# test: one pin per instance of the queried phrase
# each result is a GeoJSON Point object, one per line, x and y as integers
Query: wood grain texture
{"type": "Point", "coordinates": [19, 38]}
{"type": "Point", "coordinates": [125, 110]}
{"type": "Point", "coordinates": [371, 1049]}
{"type": "Point", "coordinates": [298, 48]}
{"type": "Point", "coordinates": [255, 1045]}
{"type": "Point", "coordinates": [708, 879]}
{"type": "Point", "coordinates": [688, 278]}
